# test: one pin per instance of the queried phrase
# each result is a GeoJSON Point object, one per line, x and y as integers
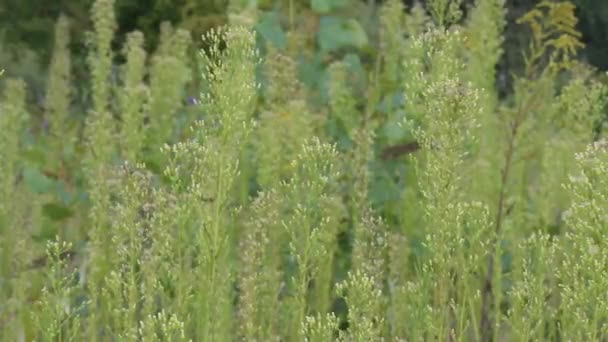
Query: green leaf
{"type": "Point", "coordinates": [36, 154]}
{"type": "Point", "coordinates": [312, 72]}
{"type": "Point", "coordinates": [337, 33]}
{"type": "Point", "coordinates": [392, 102]}
{"type": "Point", "coordinates": [394, 132]}
{"type": "Point", "coordinates": [270, 29]}
{"type": "Point", "coordinates": [48, 231]}
{"type": "Point", "coordinates": [326, 6]}
{"type": "Point", "coordinates": [356, 69]}
{"type": "Point", "coordinates": [56, 211]}
{"type": "Point", "coordinates": [63, 194]}
{"type": "Point", "coordinates": [392, 106]}
{"type": "Point", "coordinates": [37, 181]}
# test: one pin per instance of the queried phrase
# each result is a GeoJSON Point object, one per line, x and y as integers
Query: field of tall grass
{"type": "Point", "coordinates": [407, 202]}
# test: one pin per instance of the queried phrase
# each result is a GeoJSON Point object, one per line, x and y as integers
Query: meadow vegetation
{"type": "Point", "coordinates": [253, 211]}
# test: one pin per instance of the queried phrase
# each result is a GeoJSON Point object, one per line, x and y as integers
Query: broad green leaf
{"type": "Point", "coordinates": [313, 74]}
{"type": "Point", "coordinates": [270, 29]}
{"type": "Point", "coordinates": [48, 231]}
{"type": "Point", "coordinates": [36, 154]}
{"type": "Point", "coordinates": [394, 132]}
{"type": "Point", "coordinates": [37, 181]}
{"type": "Point", "coordinates": [64, 194]}
{"type": "Point", "coordinates": [337, 33]}
{"type": "Point", "coordinates": [392, 102]}
{"type": "Point", "coordinates": [311, 71]}
{"type": "Point", "coordinates": [56, 211]}
{"type": "Point", "coordinates": [326, 6]}
{"type": "Point", "coordinates": [356, 70]}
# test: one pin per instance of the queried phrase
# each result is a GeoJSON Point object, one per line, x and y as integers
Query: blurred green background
{"type": "Point", "coordinates": [28, 24]}
{"type": "Point", "coordinates": [334, 29]}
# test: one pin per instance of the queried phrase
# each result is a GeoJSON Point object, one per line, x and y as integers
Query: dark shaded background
{"type": "Point", "coordinates": [30, 22]}
{"type": "Point", "coordinates": [26, 30]}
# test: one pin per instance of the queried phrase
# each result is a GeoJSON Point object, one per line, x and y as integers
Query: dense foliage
{"type": "Point", "coordinates": [308, 179]}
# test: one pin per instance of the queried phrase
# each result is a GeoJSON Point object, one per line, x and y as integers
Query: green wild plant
{"type": "Point", "coordinates": [261, 220]}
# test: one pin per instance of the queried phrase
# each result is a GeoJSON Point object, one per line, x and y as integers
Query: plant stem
{"type": "Point", "coordinates": [487, 331]}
